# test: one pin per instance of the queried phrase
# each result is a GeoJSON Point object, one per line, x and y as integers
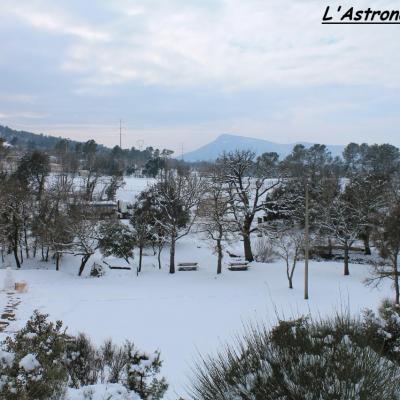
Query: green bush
{"type": "Point", "coordinates": [42, 361]}
{"type": "Point", "coordinates": [299, 359]}
{"type": "Point", "coordinates": [142, 370]}
{"type": "Point", "coordinates": [384, 330]}
{"type": "Point", "coordinates": [32, 364]}
{"type": "Point", "coordinates": [82, 361]}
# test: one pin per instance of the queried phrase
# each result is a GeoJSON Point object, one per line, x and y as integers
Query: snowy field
{"type": "Point", "coordinates": [188, 312]}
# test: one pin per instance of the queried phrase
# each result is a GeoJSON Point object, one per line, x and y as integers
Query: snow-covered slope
{"type": "Point", "coordinates": [227, 142]}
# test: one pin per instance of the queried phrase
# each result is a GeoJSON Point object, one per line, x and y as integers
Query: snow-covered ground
{"type": "Point", "coordinates": [189, 312]}
{"type": "Point", "coordinates": [133, 186]}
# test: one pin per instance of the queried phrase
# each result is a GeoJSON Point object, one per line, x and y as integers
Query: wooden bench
{"type": "Point", "coordinates": [233, 264]}
{"type": "Point", "coordinates": [115, 267]}
{"type": "Point", "coordinates": [236, 266]}
{"type": "Point", "coordinates": [190, 266]}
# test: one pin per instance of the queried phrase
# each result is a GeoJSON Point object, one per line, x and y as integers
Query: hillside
{"type": "Point", "coordinates": [227, 142]}
{"type": "Point", "coordinates": [29, 140]}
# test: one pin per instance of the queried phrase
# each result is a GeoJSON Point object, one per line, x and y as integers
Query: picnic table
{"type": "Point", "coordinates": [238, 266]}
{"type": "Point", "coordinates": [116, 267]}
{"type": "Point", "coordinates": [188, 266]}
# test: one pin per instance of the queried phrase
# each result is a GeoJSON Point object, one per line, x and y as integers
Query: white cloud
{"type": "Point", "coordinates": [53, 20]}
{"type": "Point", "coordinates": [237, 44]}
{"type": "Point", "coordinates": [229, 43]}
{"type": "Point", "coordinates": [21, 115]}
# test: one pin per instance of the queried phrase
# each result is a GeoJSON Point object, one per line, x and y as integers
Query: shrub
{"type": "Point", "coordinates": [299, 359]}
{"type": "Point", "coordinates": [41, 361]}
{"type": "Point", "coordinates": [136, 370]}
{"type": "Point", "coordinates": [82, 361]}
{"type": "Point", "coordinates": [32, 364]}
{"type": "Point", "coordinates": [384, 330]}
{"type": "Point", "coordinates": [142, 370]}
{"type": "Point", "coordinates": [97, 271]}
{"type": "Point", "coordinates": [264, 250]}
{"type": "Point", "coordinates": [113, 360]}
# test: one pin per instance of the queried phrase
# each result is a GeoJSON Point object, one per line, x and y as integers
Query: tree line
{"type": "Point", "coordinates": [350, 199]}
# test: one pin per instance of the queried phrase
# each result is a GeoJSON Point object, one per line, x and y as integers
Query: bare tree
{"type": "Point", "coordinates": [387, 240]}
{"type": "Point", "coordinates": [83, 228]}
{"type": "Point", "coordinates": [247, 181]}
{"type": "Point", "coordinates": [177, 198]}
{"type": "Point", "coordinates": [343, 221]}
{"type": "Point", "coordinates": [288, 244]}
{"type": "Point", "coordinates": [215, 220]}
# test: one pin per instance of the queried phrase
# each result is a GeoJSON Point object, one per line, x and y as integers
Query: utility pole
{"type": "Point", "coordinates": [120, 134]}
{"type": "Point", "coordinates": [140, 144]}
{"type": "Point", "coordinates": [307, 242]}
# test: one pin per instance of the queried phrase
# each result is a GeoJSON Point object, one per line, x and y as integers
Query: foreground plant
{"type": "Point", "coordinates": [42, 362]}
{"type": "Point", "coordinates": [332, 359]}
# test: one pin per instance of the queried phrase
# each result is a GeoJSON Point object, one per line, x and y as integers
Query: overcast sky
{"type": "Point", "coordinates": [181, 72]}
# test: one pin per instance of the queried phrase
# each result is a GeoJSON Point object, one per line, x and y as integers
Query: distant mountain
{"type": "Point", "coordinates": [227, 142]}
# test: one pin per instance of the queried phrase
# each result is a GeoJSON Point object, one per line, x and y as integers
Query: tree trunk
{"type": "Point", "coordinates": [346, 259]}
{"type": "Point", "coordinates": [34, 249]}
{"type": "Point", "coordinates": [15, 251]}
{"type": "Point", "coordinates": [47, 255]}
{"type": "Point", "coordinates": [396, 280]}
{"type": "Point", "coordinates": [172, 257]}
{"type": "Point", "coordinates": [26, 242]}
{"type": "Point", "coordinates": [41, 188]}
{"type": "Point", "coordinates": [289, 274]}
{"type": "Point", "coordinates": [58, 256]}
{"type": "Point", "coordinates": [330, 249]}
{"type": "Point", "coordinates": [219, 252]}
{"type": "Point", "coordinates": [367, 248]}
{"type": "Point", "coordinates": [15, 242]}
{"type": "Point", "coordinates": [160, 249]}
{"type": "Point", "coordinates": [83, 263]}
{"type": "Point", "coordinates": [140, 257]}
{"type": "Point", "coordinates": [248, 254]}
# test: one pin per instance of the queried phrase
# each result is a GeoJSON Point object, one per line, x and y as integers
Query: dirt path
{"type": "Point", "coordinates": [8, 314]}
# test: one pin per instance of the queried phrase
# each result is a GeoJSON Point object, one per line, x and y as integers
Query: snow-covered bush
{"type": "Point", "coordinates": [110, 391]}
{"type": "Point", "coordinates": [384, 330]}
{"type": "Point", "coordinates": [82, 361]}
{"type": "Point", "coordinates": [142, 370]}
{"type": "Point", "coordinates": [264, 250]}
{"type": "Point", "coordinates": [137, 371]}
{"type": "Point", "coordinates": [42, 362]}
{"type": "Point", "coordinates": [113, 360]}
{"type": "Point", "coordinates": [32, 362]}
{"type": "Point", "coordinates": [299, 359]}
{"type": "Point", "coordinates": [97, 271]}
